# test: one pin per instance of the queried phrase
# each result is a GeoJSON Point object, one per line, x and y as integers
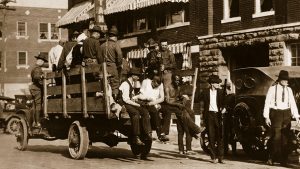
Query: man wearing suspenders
{"type": "Point", "coordinates": [279, 108]}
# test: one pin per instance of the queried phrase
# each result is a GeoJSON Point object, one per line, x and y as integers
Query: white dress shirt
{"type": "Point", "coordinates": [124, 87]}
{"type": "Point", "coordinates": [213, 100]}
{"type": "Point", "coordinates": [54, 54]}
{"type": "Point", "coordinates": [278, 104]}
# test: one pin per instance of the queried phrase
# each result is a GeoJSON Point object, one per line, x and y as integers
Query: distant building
{"type": "Point", "coordinates": [247, 33]}
{"type": "Point", "coordinates": [26, 32]}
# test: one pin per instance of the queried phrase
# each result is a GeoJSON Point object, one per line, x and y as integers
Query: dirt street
{"type": "Point", "coordinates": [54, 155]}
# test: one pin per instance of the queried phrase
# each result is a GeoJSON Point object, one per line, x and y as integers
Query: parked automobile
{"type": "Point", "coordinates": [10, 108]}
{"type": "Point", "coordinates": [252, 85]}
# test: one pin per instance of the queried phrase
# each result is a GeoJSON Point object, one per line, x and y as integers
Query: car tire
{"type": "Point", "coordinates": [12, 125]}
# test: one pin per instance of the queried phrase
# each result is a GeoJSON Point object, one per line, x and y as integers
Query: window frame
{"type": "Point", "coordinates": [226, 13]}
{"type": "Point", "coordinates": [257, 10]}
{"type": "Point", "coordinates": [48, 35]}
{"type": "Point", "coordinates": [19, 66]}
{"type": "Point", "coordinates": [26, 33]}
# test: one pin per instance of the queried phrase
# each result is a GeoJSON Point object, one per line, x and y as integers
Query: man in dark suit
{"type": "Point", "coordinates": [213, 108]}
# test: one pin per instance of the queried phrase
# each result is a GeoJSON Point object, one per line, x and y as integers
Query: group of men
{"type": "Point", "coordinates": [150, 101]}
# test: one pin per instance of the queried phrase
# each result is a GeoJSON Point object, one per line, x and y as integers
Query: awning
{"type": "Point", "coordinates": [142, 53]}
{"type": "Point", "coordinates": [114, 6]}
{"type": "Point", "coordinates": [79, 12]}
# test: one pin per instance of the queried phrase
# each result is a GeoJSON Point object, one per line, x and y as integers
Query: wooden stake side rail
{"type": "Point", "coordinates": [75, 71]}
{"type": "Point", "coordinates": [61, 99]}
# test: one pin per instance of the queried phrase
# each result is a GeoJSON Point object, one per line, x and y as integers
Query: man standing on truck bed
{"type": "Point", "coordinates": [36, 88]}
{"type": "Point", "coordinates": [111, 51]}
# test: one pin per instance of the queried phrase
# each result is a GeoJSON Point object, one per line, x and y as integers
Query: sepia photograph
{"type": "Point", "coordinates": [149, 84]}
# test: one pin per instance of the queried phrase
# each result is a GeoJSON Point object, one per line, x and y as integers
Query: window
{"type": "Point", "coordinates": [263, 8]}
{"type": "Point", "coordinates": [22, 60]}
{"type": "Point", "coordinates": [294, 59]}
{"type": "Point", "coordinates": [231, 11]}
{"type": "Point", "coordinates": [141, 24]}
{"type": "Point", "coordinates": [175, 15]}
{"type": "Point", "coordinates": [22, 29]}
{"type": "Point", "coordinates": [48, 31]}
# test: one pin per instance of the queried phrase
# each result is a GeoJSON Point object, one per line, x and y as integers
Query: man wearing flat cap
{"type": "Point", "coordinates": [91, 47]}
{"type": "Point", "coordinates": [280, 107]}
{"type": "Point", "coordinates": [36, 87]}
{"type": "Point", "coordinates": [111, 51]}
{"type": "Point", "coordinates": [213, 99]}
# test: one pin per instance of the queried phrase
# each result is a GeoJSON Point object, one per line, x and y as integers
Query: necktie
{"type": "Point", "coordinates": [283, 93]}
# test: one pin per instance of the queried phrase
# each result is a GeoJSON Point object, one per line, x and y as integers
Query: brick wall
{"type": "Point", "coordinates": [32, 45]}
{"type": "Point", "coordinates": [285, 12]}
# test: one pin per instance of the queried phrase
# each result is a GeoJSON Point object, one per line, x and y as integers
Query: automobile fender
{"type": "Point", "coordinates": [23, 113]}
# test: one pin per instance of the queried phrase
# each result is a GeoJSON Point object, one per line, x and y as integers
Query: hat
{"type": "Point", "coordinates": [42, 56]}
{"type": "Point", "coordinates": [283, 75]}
{"type": "Point", "coordinates": [151, 42]}
{"type": "Point", "coordinates": [113, 31]}
{"type": "Point", "coordinates": [214, 79]}
{"type": "Point", "coordinates": [96, 28]}
{"type": "Point", "coordinates": [135, 71]}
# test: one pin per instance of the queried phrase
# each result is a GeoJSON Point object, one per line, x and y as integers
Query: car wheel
{"type": "Point", "coordinates": [12, 125]}
{"type": "Point", "coordinates": [78, 141]}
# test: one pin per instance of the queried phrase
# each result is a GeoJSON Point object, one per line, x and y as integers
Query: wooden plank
{"type": "Point", "coordinates": [94, 104]}
{"type": "Point", "coordinates": [83, 92]}
{"type": "Point", "coordinates": [74, 71]}
{"type": "Point", "coordinates": [75, 88]}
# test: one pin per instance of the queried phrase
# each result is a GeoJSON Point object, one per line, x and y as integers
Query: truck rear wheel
{"type": "Point", "coordinates": [204, 141]}
{"type": "Point", "coordinates": [22, 135]}
{"type": "Point", "coordinates": [78, 141]}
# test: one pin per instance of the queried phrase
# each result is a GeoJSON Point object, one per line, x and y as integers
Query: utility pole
{"type": "Point", "coordinates": [4, 9]}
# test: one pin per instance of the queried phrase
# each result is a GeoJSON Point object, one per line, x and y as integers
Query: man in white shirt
{"type": "Point", "coordinates": [213, 99]}
{"type": "Point", "coordinates": [55, 53]}
{"type": "Point", "coordinates": [152, 92]}
{"type": "Point", "coordinates": [279, 108]}
{"type": "Point", "coordinates": [134, 109]}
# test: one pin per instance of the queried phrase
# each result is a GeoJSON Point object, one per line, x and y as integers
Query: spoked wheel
{"type": "Point", "coordinates": [135, 149]}
{"type": "Point", "coordinates": [12, 125]}
{"type": "Point", "coordinates": [22, 135]}
{"type": "Point", "coordinates": [78, 141]}
{"type": "Point", "coordinates": [204, 141]}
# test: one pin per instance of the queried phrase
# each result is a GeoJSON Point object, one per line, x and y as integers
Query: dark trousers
{"type": "Point", "coordinates": [155, 119]}
{"type": "Point", "coordinates": [135, 113]}
{"type": "Point", "coordinates": [229, 133]}
{"type": "Point", "coordinates": [280, 127]}
{"type": "Point", "coordinates": [115, 81]}
{"type": "Point", "coordinates": [36, 93]}
{"type": "Point", "coordinates": [213, 123]}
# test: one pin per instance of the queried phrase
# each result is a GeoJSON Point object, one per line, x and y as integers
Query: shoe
{"type": "Point", "coordinates": [137, 141]}
{"type": "Point", "coordinates": [221, 161]}
{"type": "Point", "coordinates": [163, 138]}
{"type": "Point", "coordinates": [148, 137]}
{"type": "Point", "coordinates": [181, 153]}
{"type": "Point", "coordinates": [270, 162]}
{"type": "Point", "coordinates": [190, 152]}
{"type": "Point", "coordinates": [214, 161]}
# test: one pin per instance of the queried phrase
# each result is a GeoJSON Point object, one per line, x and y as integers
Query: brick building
{"type": "Point", "coordinates": [26, 32]}
{"type": "Point", "coordinates": [247, 33]}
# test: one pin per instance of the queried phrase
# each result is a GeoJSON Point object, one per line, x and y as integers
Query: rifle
{"type": "Point", "coordinates": [222, 116]}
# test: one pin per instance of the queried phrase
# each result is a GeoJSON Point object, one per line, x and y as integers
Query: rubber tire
{"type": "Point", "coordinates": [145, 150]}
{"type": "Point", "coordinates": [9, 127]}
{"type": "Point", "coordinates": [22, 136]}
{"type": "Point", "coordinates": [135, 149]}
{"type": "Point", "coordinates": [83, 141]}
{"type": "Point", "coordinates": [204, 141]}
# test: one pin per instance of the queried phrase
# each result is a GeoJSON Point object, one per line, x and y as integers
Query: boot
{"type": "Point", "coordinates": [137, 141]}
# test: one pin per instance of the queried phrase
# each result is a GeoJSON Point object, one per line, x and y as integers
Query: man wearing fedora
{"type": "Point", "coordinates": [111, 51]}
{"type": "Point", "coordinates": [36, 88]}
{"type": "Point", "coordinates": [280, 107]}
{"type": "Point", "coordinates": [91, 47]}
{"type": "Point", "coordinates": [213, 99]}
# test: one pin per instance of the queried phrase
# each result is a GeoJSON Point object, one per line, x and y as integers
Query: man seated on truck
{"type": "Point", "coordinates": [36, 88]}
{"type": "Point", "coordinates": [134, 109]}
